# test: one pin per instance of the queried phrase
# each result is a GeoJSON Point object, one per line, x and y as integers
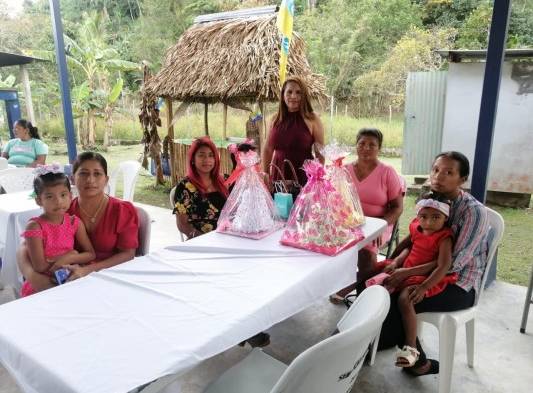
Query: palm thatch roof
{"type": "Point", "coordinates": [231, 61]}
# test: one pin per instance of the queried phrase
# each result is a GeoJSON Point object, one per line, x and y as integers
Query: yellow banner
{"type": "Point", "coordinates": [284, 22]}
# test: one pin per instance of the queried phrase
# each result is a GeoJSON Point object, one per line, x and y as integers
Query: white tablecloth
{"type": "Point", "coordinates": [15, 210]}
{"type": "Point", "coordinates": [163, 313]}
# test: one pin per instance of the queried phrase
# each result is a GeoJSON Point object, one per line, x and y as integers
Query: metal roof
{"type": "Point", "coordinates": [11, 59]}
{"type": "Point", "coordinates": [248, 13]}
{"type": "Point", "coordinates": [456, 56]}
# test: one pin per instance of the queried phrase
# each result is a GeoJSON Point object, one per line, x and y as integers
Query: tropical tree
{"type": "Point", "coordinates": [95, 71]}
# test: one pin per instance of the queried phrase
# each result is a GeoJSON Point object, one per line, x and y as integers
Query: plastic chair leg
{"type": "Point", "coordinates": [527, 304]}
{"type": "Point", "coordinates": [470, 341]}
{"type": "Point", "coordinates": [374, 348]}
{"type": "Point", "coordinates": [447, 334]}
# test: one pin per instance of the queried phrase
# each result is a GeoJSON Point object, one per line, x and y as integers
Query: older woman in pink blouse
{"type": "Point", "coordinates": [381, 194]}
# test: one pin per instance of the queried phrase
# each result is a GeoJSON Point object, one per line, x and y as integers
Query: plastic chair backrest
{"type": "Point", "coordinates": [130, 172]}
{"type": "Point", "coordinates": [3, 163]}
{"type": "Point", "coordinates": [171, 200]}
{"type": "Point", "coordinates": [145, 228]}
{"type": "Point", "coordinates": [333, 364]}
{"type": "Point", "coordinates": [171, 197]}
{"type": "Point", "coordinates": [17, 179]}
{"type": "Point", "coordinates": [496, 228]}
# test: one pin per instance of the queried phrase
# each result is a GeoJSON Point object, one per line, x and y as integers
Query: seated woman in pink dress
{"type": "Point", "coordinates": [381, 195]}
{"type": "Point", "coordinates": [112, 224]}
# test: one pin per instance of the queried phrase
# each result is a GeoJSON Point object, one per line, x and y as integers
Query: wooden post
{"type": "Point", "coordinates": [262, 130]}
{"type": "Point", "coordinates": [170, 133]}
{"type": "Point", "coordinates": [27, 92]}
{"type": "Point", "coordinates": [224, 122]}
{"type": "Point", "coordinates": [206, 126]}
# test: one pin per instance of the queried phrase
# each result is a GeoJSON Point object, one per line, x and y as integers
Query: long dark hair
{"type": "Point", "coordinates": [89, 156]}
{"type": "Point", "coordinates": [192, 173]}
{"type": "Point", "coordinates": [34, 132]}
{"type": "Point", "coordinates": [306, 110]}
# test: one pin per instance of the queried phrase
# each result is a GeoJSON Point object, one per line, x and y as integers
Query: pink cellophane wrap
{"type": "Point", "coordinates": [249, 211]}
{"type": "Point", "coordinates": [341, 179]}
{"type": "Point", "coordinates": [320, 220]}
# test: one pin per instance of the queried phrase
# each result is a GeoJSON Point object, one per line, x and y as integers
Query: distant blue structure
{"type": "Point", "coordinates": [11, 100]}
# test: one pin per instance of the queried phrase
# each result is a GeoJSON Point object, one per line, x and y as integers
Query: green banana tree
{"type": "Point", "coordinates": [95, 72]}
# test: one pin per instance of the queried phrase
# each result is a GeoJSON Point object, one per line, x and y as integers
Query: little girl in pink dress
{"type": "Point", "coordinates": [50, 237]}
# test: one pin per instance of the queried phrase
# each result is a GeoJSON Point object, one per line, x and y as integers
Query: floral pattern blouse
{"type": "Point", "coordinates": [202, 211]}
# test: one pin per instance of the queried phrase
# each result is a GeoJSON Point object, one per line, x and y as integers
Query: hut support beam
{"type": "Point", "coordinates": [206, 126]}
{"type": "Point", "coordinates": [27, 92]}
{"type": "Point", "coordinates": [170, 133]}
{"type": "Point", "coordinates": [262, 130]}
{"type": "Point", "coordinates": [225, 122]}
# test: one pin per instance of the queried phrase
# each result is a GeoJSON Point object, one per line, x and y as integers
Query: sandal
{"type": "Point", "coordinates": [259, 340]}
{"type": "Point", "coordinates": [433, 369]}
{"type": "Point", "coordinates": [407, 356]}
{"type": "Point", "coordinates": [336, 299]}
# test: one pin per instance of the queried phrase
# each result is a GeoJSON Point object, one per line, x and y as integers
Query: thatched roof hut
{"type": "Point", "coordinates": [232, 58]}
{"type": "Point", "coordinates": [231, 61]}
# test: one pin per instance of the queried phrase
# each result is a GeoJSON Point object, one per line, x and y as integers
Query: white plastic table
{"type": "Point", "coordinates": [164, 313]}
{"type": "Point", "coordinates": [15, 210]}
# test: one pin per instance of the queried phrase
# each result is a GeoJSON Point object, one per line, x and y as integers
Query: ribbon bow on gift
{"type": "Point", "coordinates": [41, 170]}
{"type": "Point", "coordinates": [316, 173]}
{"type": "Point", "coordinates": [244, 160]}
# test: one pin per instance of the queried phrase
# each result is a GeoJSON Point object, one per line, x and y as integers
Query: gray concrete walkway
{"type": "Point", "coordinates": [503, 356]}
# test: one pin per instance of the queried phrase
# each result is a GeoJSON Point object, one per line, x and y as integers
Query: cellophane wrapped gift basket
{"type": "Point", "coordinates": [341, 180]}
{"type": "Point", "coordinates": [249, 211]}
{"type": "Point", "coordinates": [321, 220]}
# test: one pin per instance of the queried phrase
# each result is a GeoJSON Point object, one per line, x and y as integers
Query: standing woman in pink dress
{"type": "Point", "coordinates": [294, 130]}
{"type": "Point", "coordinates": [380, 191]}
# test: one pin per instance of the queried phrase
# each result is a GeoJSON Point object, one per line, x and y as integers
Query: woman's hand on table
{"type": "Point", "coordinates": [77, 271]}
{"type": "Point", "coordinates": [378, 242]}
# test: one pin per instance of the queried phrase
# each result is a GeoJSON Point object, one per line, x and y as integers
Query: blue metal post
{"type": "Point", "coordinates": [489, 106]}
{"type": "Point", "coordinates": [13, 114]}
{"type": "Point", "coordinates": [489, 97]}
{"type": "Point", "coordinates": [63, 79]}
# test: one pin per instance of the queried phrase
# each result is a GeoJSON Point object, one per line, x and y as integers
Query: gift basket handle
{"type": "Point", "coordinates": [289, 163]}
{"type": "Point", "coordinates": [274, 183]}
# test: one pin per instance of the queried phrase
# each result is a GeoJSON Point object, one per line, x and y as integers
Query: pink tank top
{"type": "Point", "coordinates": [58, 239]}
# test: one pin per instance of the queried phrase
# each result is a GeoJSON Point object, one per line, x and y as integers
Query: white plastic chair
{"type": "Point", "coordinates": [330, 366]}
{"type": "Point", "coordinates": [3, 163]}
{"type": "Point", "coordinates": [449, 322]}
{"type": "Point", "coordinates": [16, 179]}
{"type": "Point", "coordinates": [130, 172]}
{"type": "Point", "coordinates": [145, 228]}
{"type": "Point", "coordinates": [171, 199]}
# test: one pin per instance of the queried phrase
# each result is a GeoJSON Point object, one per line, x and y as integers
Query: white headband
{"type": "Point", "coordinates": [444, 208]}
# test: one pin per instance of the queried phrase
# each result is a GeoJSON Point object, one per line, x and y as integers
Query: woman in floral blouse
{"type": "Point", "coordinates": [201, 195]}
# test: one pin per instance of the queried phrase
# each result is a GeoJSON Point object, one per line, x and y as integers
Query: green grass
{"type": "Point", "coordinates": [191, 125]}
{"type": "Point", "coordinates": [514, 261]}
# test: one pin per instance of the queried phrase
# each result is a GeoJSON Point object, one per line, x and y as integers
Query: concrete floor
{"type": "Point", "coordinates": [503, 356]}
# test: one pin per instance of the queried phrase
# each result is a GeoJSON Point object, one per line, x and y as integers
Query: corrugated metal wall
{"type": "Point", "coordinates": [424, 116]}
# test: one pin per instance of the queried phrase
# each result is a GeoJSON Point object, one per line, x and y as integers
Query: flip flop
{"type": "Point", "coordinates": [336, 299]}
{"type": "Point", "coordinates": [433, 369]}
{"type": "Point", "coordinates": [406, 357]}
